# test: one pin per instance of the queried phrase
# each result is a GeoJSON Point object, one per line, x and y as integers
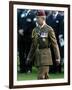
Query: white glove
{"type": "Point", "coordinates": [21, 32]}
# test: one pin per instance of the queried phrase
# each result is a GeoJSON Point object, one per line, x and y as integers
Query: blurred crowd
{"type": "Point", "coordinates": [26, 21]}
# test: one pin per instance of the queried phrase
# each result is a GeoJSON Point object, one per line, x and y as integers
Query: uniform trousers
{"type": "Point", "coordinates": [43, 72]}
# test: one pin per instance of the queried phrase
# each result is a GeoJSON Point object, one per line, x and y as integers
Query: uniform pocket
{"type": "Point", "coordinates": [45, 56]}
{"type": "Point", "coordinates": [37, 57]}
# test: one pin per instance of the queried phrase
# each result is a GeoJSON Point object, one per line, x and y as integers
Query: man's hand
{"type": "Point", "coordinates": [27, 60]}
{"type": "Point", "coordinates": [57, 61]}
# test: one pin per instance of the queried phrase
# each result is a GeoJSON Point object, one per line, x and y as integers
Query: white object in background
{"type": "Point", "coordinates": [21, 32]}
{"type": "Point", "coordinates": [61, 40]}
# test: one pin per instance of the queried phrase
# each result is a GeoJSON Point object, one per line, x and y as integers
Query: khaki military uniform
{"type": "Point", "coordinates": [40, 49]}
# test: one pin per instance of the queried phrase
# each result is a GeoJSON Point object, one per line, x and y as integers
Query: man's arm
{"type": "Point", "coordinates": [31, 53]}
{"type": "Point", "coordinates": [54, 44]}
{"type": "Point", "coordinates": [32, 49]}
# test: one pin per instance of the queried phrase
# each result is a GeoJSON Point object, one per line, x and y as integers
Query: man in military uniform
{"type": "Point", "coordinates": [42, 36]}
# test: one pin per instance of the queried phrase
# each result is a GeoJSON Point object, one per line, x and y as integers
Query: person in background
{"type": "Point", "coordinates": [25, 25]}
{"type": "Point", "coordinates": [56, 21]}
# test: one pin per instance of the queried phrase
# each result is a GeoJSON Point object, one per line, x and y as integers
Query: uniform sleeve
{"type": "Point", "coordinates": [33, 34]}
{"type": "Point", "coordinates": [32, 49]}
{"type": "Point", "coordinates": [54, 44]}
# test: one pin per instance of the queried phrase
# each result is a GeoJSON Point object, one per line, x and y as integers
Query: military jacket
{"type": "Point", "coordinates": [40, 48]}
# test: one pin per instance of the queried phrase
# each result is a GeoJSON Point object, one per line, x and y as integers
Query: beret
{"type": "Point", "coordinates": [40, 13]}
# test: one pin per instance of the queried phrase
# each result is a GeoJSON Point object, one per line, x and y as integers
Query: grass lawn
{"type": "Point", "coordinates": [33, 75]}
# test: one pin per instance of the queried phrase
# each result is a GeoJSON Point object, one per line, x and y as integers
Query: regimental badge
{"type": "Point", "coordinates": [43, 35]}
